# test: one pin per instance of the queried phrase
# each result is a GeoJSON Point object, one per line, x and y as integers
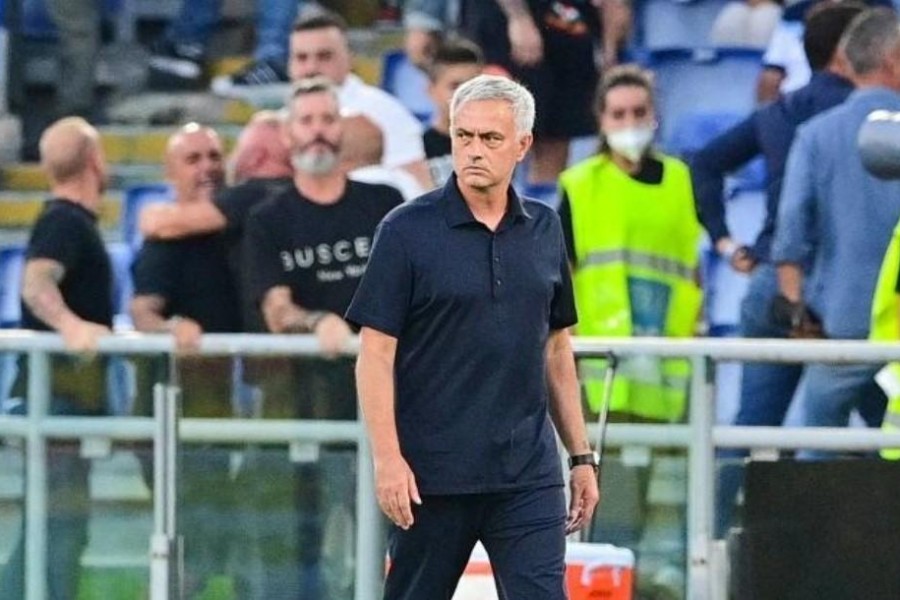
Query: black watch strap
{"type": "Point", "coordinates": [589, 458]}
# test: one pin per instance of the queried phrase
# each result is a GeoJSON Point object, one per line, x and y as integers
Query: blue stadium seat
{"type": "Point", "coordinates": [12, 259]}
{"type": "Point", "coordinates": [407, 83]}
{"type": "Point", "coordinates": [136, 197]}
{"type": "Point", "coordinates": [703, 81]}
{"type": "Point", "coordinates": [121, 255]}
{"type": "Point", "coordinates": [673, 24]}
{"type": "Point", "coordinates": [695, 129]}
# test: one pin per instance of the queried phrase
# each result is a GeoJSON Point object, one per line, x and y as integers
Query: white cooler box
{"type": "Point", "coordinates": [593, 572]}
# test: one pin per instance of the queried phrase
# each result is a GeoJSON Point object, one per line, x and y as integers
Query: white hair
{"type": "Point", "coordinates": [495, 87]}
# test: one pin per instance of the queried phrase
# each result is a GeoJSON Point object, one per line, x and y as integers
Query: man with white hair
{"type": "Point", "coordinates": [465, 359]}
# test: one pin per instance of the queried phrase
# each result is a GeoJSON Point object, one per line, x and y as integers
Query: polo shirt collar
{"type": "Point", "coordinates": [457, 212]}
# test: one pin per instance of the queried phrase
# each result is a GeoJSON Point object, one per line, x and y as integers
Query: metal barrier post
{"type": "Point", "coordinates": [369, 553]}
{"type": "Point", "coordinates": [36, 477]}
{"type": "Point", "coordinates": [701, 481]}
{"type": "Point", "coordinates": [164, 546]}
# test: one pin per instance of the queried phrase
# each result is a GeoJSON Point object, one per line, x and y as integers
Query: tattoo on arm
{"type": "Point", "coordinates": [41, 294]}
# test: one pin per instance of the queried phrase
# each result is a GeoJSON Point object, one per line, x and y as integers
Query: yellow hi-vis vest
{"type": "Point", "coordinates": [625, 232]}
{"type": "Point", "coordinates": [885, 327]}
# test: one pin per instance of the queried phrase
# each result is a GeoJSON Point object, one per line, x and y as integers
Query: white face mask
{"type": "Point", "coordinates": [631, 142]}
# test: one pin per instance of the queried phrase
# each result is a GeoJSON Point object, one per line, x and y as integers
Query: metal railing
{"type": "Point", "coordinates": [700, 436]}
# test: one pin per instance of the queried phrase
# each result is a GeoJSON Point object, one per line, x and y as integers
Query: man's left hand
{"type": "Point", "coordinates": [585, 496]}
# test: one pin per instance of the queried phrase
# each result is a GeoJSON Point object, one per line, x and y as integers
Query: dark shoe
{"type": "Point", "coordinates": [262, 83]}
{"type": "Point", "coordinates": [176, 66]}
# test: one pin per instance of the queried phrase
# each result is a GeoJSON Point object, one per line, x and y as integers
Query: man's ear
{"type": "Point", "coordinates": [525, 142]}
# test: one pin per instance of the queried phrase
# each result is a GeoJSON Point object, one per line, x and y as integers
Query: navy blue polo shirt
{"type": "Point", "coordinates": [471, 310]}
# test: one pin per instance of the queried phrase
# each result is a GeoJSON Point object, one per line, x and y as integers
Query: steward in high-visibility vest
{"type": "Point", "coordinates": [636, 251]}
{"type": "Point", "coordinates": [886, 328]}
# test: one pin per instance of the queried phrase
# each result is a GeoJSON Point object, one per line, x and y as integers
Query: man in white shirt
{"type": "Point", "coordinates": [319, 46]}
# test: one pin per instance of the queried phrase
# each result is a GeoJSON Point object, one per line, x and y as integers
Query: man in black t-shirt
{"type": "Point", "coordinates": [261, 169]}
{"type": "Point", "coordinates": [67, 287]}
{"type": "Point", "coordinates": [455, 62]}
{"type": "Point", "coordinates": [305, 253]}
{"type": "Point", "coordinates": [184, 286]}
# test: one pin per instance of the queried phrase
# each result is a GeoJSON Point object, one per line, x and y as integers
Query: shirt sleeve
{"type": "Point", "coordinates": [794, 238]}
{"type": "Point", "coordinates": [59, 239]}
{"type": "Point", "coordinates": [565, 219]}
{"type": "Point", "coordinates": [722, 155]}
{"type": "Point", "coordinates": [384, 295]}
{"type": "Point", "coordinates": [402, 131]}
{"type": "Point", "coordinates": [154, 271]}
{"type": "Point", "coordinates": [234, 207]}
{"type": "Point", "coordinates": [562, 308]}
{"type": "Point", "coordinates": [262, 262]}
{"type": "Point", "coordinates": [776, 54]}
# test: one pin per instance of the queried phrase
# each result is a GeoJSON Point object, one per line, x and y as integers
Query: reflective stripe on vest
{"type": "Point", "coordinates": [611, 247]}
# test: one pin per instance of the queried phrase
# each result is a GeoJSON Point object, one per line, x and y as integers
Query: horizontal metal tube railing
{"type": "Point", "coordinates": [825, 351]}
{"type": "Point", "coordinates": [700, 435]}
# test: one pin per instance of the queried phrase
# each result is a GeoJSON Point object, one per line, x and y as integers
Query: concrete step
{"type": "Point", "coordinates": [20, 209]}
{"type": "Point", "coordinates": [143, 145]}
{"type": "Point", "coordinates": [28, 177]}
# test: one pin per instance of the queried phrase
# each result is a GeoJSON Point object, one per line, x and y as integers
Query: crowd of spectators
{"type": "Point", "coordinates": [276, 238]}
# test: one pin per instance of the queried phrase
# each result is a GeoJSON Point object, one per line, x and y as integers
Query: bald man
{"type": "Point", "coordinates": [184, 286]}
{"type": "Point", "coordinates": [261, 169]}
{"type": "Point", "coordinates": [67, 288]}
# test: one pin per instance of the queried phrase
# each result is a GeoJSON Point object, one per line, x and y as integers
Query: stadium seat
{"type": "Point", "coordinates": [12, 259]}
{"type": "Point", "coordinates": [136, 197]}
{"type": "Point", "coordinates": [407, 83]}
{"type": "Point", "coordinates": [703, 81]}
{"type": "Point", "coordinates": [671, 24]}
{"type": "Point", "coordinates": [121, 255]}
{"type": "Point", "coordinates": [695, 129]}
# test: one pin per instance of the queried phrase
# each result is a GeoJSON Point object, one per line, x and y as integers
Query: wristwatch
{"type": "Point", "coordinates": [591, 458]}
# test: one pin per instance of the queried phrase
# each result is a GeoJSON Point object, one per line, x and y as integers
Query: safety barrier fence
{"type": "Point", "coordinates": [699, 435]}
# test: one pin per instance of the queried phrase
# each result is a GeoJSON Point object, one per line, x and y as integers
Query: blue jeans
{"type": "Point", "coordinates": [766, 388]}
{"type": "Point", "coordinates": [834, 391]}
{"type": "Point", "coordinates": [274, 19]}
{"type": "Point", "coordinates": [68, 509]}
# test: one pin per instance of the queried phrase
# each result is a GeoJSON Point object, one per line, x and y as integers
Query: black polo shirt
{"type": "Point", "coordinates": [67, 233]}
{"type": "Point", "coordinates": [472, 310]}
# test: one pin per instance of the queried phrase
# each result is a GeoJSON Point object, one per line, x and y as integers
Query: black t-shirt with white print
{"type": "Point", "coordinates": [319, 251]}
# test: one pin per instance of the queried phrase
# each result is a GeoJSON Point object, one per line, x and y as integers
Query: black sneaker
{"type": "Point", "coordinates": [176, 66]}
{"type": "Point", "coordinates": [262, 83]}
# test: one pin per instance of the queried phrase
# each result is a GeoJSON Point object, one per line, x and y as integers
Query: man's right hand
{"type": "Point", "coordinates": [82, 336]}
{"type": "Point", "coordinates": [395, 488]}
{"type": "Point", "coordinates": [187, 334]}
{"type": "Point", "coordinates": [333, 334]}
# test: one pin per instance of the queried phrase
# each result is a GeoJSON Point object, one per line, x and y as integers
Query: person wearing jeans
{"type": "Point", "coordinates": [178, 57]}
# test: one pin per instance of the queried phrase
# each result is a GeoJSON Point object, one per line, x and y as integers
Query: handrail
{"type": "Point", "coordinates": [720, 349]}
{"type": "Point", "coordinates": [700, 436]}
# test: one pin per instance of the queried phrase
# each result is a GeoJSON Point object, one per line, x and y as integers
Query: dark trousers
{"type": "Point", "coordinates": [522, 531]}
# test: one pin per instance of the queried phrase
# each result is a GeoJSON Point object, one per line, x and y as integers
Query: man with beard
{"type": "Point", "coordinates": [305, 252]}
